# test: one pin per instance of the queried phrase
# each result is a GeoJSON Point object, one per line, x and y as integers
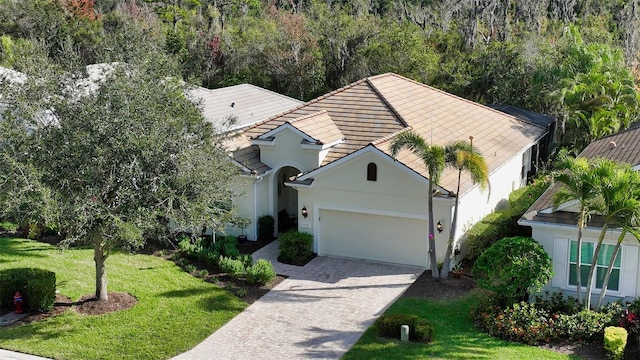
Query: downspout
{"type": "Point", "coordinates": [255, 206]}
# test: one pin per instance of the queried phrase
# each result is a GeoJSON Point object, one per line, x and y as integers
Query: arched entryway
{"type": "Point", "coordinates": [286, 204]}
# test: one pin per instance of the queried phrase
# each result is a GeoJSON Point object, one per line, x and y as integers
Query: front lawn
{"type": "Point", "coordinates": [174, 312]}
{"type": "Point", "coordinates": [455, 336]}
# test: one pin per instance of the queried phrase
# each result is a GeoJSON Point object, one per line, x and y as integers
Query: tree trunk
{"type": "Point", "coordinates": [579, 255]}
{"type": "Point", "coordinates": [99, 256]}
{"type": "Point", "coordinates": [452, 233]}
{"type": "Point", "coordinates": [432, 239]}
{"type": "Point", "coordinates": [605, 283]}
{"type": "Point", "coordinates": [594, 263]}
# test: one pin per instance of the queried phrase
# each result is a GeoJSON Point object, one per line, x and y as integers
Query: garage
{"type": "Point", "coordinates": [358, 235]}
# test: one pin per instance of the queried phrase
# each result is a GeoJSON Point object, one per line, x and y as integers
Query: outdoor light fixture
{"type": "Point", "coordinates": [439, 226]}
{"type": "Point", "coordinates": [304, 212]}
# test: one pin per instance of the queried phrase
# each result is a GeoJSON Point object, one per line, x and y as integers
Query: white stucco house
{"type": "Point", "coordinates": [557, 232]}
{"type": "Point", "coordinates": [324, 168]}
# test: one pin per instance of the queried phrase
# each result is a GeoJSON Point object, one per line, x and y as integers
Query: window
{"type": "Point", "coordinates": [606, 252]}
{"type": "Point", "coordinates": [372, 172]}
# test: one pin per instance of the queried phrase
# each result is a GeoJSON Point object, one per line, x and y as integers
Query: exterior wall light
{"type": "Point", "coordinates": [439, 226]}
{"type": "Point", "coordinates": [305, 213]}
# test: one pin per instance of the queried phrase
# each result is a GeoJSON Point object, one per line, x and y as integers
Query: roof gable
{"type": "Point", "coordinates": [316, 128]}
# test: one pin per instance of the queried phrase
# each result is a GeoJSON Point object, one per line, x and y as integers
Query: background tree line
{"type": "Point", "coordinates": [572, 59]}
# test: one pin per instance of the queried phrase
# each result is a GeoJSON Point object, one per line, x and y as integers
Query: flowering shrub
{"type": "Point", "coordinates": [555, 320]}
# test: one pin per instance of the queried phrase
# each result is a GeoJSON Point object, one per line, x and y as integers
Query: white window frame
{"type": "Point", "coordinates": [594, 280]}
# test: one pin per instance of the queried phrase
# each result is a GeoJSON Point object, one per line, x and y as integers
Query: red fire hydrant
{"type": "Point", "coordinates": [17, 303]}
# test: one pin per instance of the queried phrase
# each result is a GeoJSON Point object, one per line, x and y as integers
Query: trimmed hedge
{"type": "Point", "coordinates": [37, 287]}
{"type": "Point", "coordinates": [266, 227]}
{"type": "Point", "coordinates": [503, 223]}
{"type": "Point", "coordinates": [296, 248]}
{"type": "Point", "coordinates": [615, 341]}
{"type": "Point", "coordinates": [420, 330]}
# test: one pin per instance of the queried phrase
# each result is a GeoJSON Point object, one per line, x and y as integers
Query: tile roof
{"type": "Point", "coordinates": [319, 126]}
{"type": "Point", "coordinates": [373, 110]}
{"type": "Point", "coordinates": [247, 103]}
{"type": "Point", "coordinates": [622, 147]}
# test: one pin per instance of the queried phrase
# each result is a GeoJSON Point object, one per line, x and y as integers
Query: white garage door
{"type": "Point", "coordinates": [373, 237]}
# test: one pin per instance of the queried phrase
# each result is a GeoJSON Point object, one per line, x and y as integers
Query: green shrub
{"type": "Point", "coordinates": [532, 324]}
{"type": "Point", "coordinates": [420, 330]}
{"type": "Point", "coordinates": [8, 226]}
{"type": "Point", "coordinates": [37, 287]}
{"type": "Point", "coordinates": [261, 272]}
{"type": "Point", "coordinates": [557, 303]}
{"type": "Point", "coordinates": [233, 267]}
{"type": "Point", "coordinates": [503, 223]}
{"type": "Point", "coordinates": [266, 227]}
{"type": "Point", "coordinates": [41, 290]}
{"type": "Point", "coordinates": [615, 341]}
{"type": "Point", "coordinates": [296, 247]}
{"type": "Point", "coordinates": [227, 246]}
{"type": "Point", "coordinates": [512, 267]}
{"type": "Point", "coordinates": [246, 259]}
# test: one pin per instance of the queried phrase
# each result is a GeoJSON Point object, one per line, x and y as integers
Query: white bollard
{"type": "Point", "coordinates": [404, 333]}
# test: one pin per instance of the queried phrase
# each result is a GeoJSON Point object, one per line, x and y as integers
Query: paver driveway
{"type": "Point", "coordinates": [319, 312]}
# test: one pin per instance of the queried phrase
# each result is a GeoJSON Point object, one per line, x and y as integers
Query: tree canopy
{"type": "Point", "coordinates": [113, 158]}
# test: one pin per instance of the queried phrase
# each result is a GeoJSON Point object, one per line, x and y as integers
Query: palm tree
{"type": "Point", "coordinates": [461, 156]}
{"type": "Point", "coordinates": [578, 184]}
{"type": "Point", "coordinates": [433, 158]}
{"type": "Point", "coordinates": [628, 219]}
{"type": "Point", "coordinates": [615, 199]}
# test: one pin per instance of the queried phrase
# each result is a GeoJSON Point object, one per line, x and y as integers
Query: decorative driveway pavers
{"type": "Point", "coordinates": [319, 312]}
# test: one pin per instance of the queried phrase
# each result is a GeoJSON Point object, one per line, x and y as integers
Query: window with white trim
{"type": "Point", "coordinates": [606, 252]}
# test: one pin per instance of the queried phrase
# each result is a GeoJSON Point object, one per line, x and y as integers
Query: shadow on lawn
{"type": "Point", "coordinates": [15, 247]}
{"type": "Point", "coordinates": [210, 299]}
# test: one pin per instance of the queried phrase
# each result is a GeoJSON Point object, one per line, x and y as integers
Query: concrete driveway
{"type": "Point", "coordinates": [318, 312]}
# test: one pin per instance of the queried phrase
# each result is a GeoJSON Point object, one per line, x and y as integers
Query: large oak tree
{"type": "Point", "coordinates": [114, 156]}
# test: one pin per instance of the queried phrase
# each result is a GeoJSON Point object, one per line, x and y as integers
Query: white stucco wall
{"type": "Point", "coordinates": [243, 187]}
{"type": "Point", "coordinates": [554, 239]}
{"type": "Point", "coordinates": [287, 148]}
{"type": "Point", "coordinates": [475, 204]}
{"type": "Point", "coordinates": [395, 193]}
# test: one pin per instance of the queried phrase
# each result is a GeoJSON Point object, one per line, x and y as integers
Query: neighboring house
{"type": "Point", "coordinates": [556, 230]}
{"type": "Point", "coordinates": [239, 106]}
{"type": "Point", "coordinates": [324, 168]}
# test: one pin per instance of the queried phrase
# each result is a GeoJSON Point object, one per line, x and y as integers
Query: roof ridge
{"type": "Point", "coordinates": [385, 101]}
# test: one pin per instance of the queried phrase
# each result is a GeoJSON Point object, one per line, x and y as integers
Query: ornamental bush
{"type": "Point", "coordinates": [37, 287]}
{"type": "Point", "coordinates": [261, 272]}
{"type": "Point", "coordinates": [503, 223]}
{"type": "Point", "coordinates": [615, 341]}
{"type": "Point", "coordinates": [420, 330]}
{"type": "Point", "coordinates": [512, 267]}
{"type": "Point", "coordinates": [535, 323]}
{"type": "Point", "coordinates": [296, 248]}
{"type": "Point", "coordinates": [233, 267]}
{"type": "Point", "coordinates": [266, 227]}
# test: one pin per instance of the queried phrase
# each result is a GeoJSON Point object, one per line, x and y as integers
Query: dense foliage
{"type": "Point", "coordinates": [512, 267]}
{"type": "Point", "coordinates": [296, 247]}
{"type": "Point", "coordinates": [420, 330]}
{"type": "Point", "coordinates": [570, 59]}
{"type": "Point", "coordinates": [503, 223]}
{"type": "Point", "coordinates": [37, 287]}
{"type": "Point", "coordinates": [556, 319]}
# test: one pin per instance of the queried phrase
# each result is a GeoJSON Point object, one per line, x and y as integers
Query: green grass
{"type": "Point", "coordinates": [175, 311]}
{"type": "Point", "coordinates": [455, 336]}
